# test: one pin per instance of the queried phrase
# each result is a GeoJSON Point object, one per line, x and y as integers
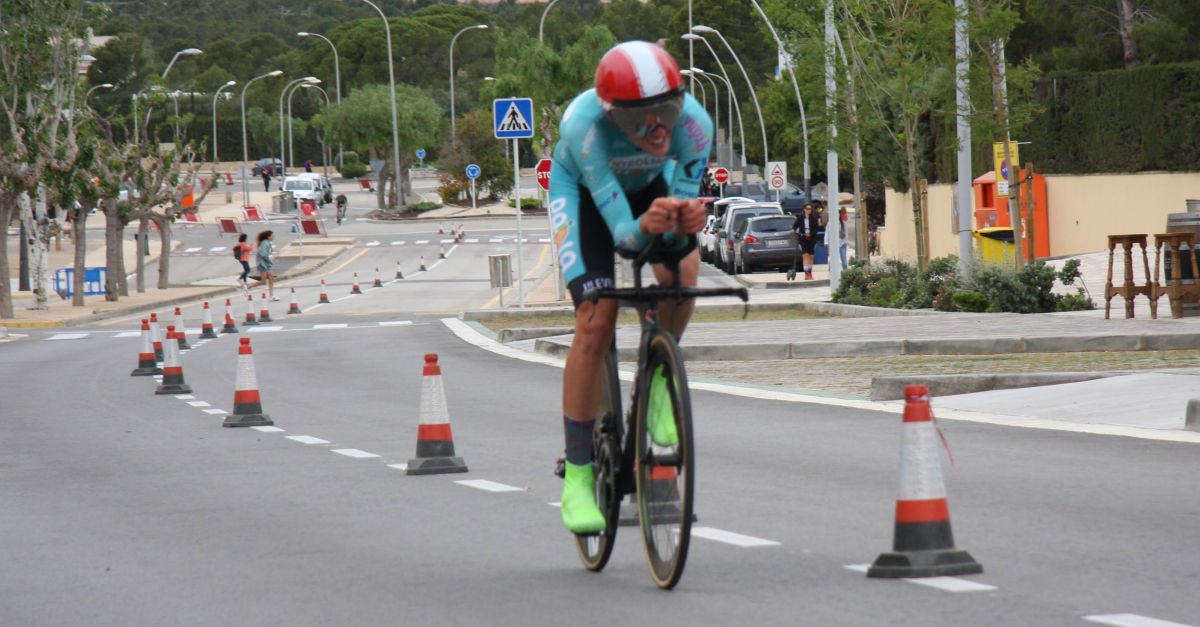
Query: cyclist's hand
{"type": "Point", "coordinates": [691, 216]}
{"type": "Point", "coordinates": [661, 217]}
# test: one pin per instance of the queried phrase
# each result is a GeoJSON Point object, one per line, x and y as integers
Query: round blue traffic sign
{"type": "Point", "coordinates": [473, 171]}
{"type": "Point", "coordinates": [420, 153]}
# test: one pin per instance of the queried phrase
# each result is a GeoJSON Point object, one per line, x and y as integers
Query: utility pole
{"type": "Point", "coordinates": [965, 202]}
{"type": "Point", "coordinates": [833, 223]}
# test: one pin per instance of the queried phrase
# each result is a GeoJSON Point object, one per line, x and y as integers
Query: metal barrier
{"type": "Point", "coordinates": [93, 281]}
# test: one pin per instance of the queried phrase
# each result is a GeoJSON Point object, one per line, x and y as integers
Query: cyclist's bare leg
{"type": "Point", "coordinates": [594, 326]}
{"type": "Point", "coordinates": [674, 315]}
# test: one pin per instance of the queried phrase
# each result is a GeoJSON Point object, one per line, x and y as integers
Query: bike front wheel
{"type": "Point", "coordinates": [665, 463]}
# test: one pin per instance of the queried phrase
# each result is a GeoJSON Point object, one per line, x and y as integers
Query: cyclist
{"type": "Point", "coordinates": [341, 207]}
{"type": "Point", "coordinates": [627, 167]}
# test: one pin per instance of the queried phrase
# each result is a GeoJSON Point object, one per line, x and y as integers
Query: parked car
{"type": "Point", "coordinates": [735, 219]}
{"type": "Point", "coordinates": [267, 162]}
{"type": "Point", "coordinates": [304, 188]}
{"type": "Point", "coordinates": [764, 242]}
{"type": "Point", "coordinates": [707, 239]}
{"type": "Point", "coordinates": [792, 199]}
{"type": "Point", "coordinates": [323, 182]}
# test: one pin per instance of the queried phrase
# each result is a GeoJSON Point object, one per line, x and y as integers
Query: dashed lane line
{"type": "Point", "coordinates": [395, 323]}
{"type": "Point", "coordinates": [262, 329]}
{"type": "Point", "coordinates": [398, 466]}
{"type": "Point", "coordinates": [729, 537]}
{"type": "Point", "coordinates": [355, 453]}
{"type": "Point", "coordinates": [488, 486]}
{"type": "Point", "coordinates": [199, 403]}
{"type": "Point", "coordinates": [947, 584]}
{"type": "Point", "coordinates": [268, 429]}
{"type": "Point", "coordinates": [1132, 620]}
{"type": "Point", "coordinates": [215, 412]}
{"type": "Point", "coordinates": [67, 336]}
{"type": "Point", "coordinates": [306, 439]}
{"type": "Point", "coordinates": [339, 325]}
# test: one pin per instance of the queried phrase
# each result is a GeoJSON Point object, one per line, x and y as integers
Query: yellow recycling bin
{"type": "Point", "coordinates": [995, 244]}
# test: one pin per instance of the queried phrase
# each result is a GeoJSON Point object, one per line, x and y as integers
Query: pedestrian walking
{"type": "Point", "coordinates": [266, 176]}
{"type": "Point", "coordinates": [843, 222]}
{"type": "Point", "coordinates": [264, 261]}
{"type": "Point", "coordinates": [242, 251]}
{"type": "Point", "coordinates": [806, 226]}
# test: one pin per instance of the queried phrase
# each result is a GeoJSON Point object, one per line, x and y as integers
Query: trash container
{"type": "Point", "coordinates": [995, 244]}
{"type": "Point", "coordinates": [282, 202]}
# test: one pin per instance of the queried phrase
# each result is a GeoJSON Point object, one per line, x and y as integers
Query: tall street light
{"type": "Point", "coordinates": [186, 52]}
{"type": "Point", "coordinates": [291, 147]}
{"type": "Point", "coordinates": [542, 22]}
{"type": "Point", "coordinates": [387, 30]}
{"type": "Point", "coordinates": [175, 99]}
{"type": "Point", "coordinates": [324, 161]}
{"type": "Point", "coordinates": [737, 107]}
{"type": "Point", "coordinates": [214, 110]}
{"type": "Point", "coordinates": [799, 98]}
{"type": "Point", "coordinates": [753, 97]}
{"type": "Point", "coordinates": [104, 86]}
{"type": "Point", "coordinates": [245, 148]}
{"type": "Point", "coordinates": [337, 80]}
{"type": "Point", "coordinates": [703, 91]}
{"type": "Point", "coordinates": [283, 158]}
{"type": "Point", "coordinates": [717, 113]}
{"type": "Point", "coordinates": [453, 129]}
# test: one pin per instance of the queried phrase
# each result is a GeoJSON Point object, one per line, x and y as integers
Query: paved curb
{"type": "Point", "coordinates": [891, 388]}
{"type": "Point", "coordinates": [528, 333]}
{"type": "Point", "coordinates": [832, 309]}
{"type": "Point", "coordinates": [781, 285]}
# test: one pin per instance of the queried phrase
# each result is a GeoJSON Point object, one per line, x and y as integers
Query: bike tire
{"type": "Point", "coordinates": [595, 549]}
{"type": "Point", "coordinates": [665, 475]}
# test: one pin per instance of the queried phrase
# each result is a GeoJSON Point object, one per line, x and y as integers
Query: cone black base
{"type": "Point", "coordinates": [324, 300]}
{"type": "Point", "coordinates": [935, 563]}
{"type": "Point", "coordinates": [356, 290]}
{"type": "Point", "coordinates": [158, 354]}
{"type": "Point", "coordinates": [183, 345]}
{"type": "Point", "coordinates": [264, 318]}
{"type": "Point", "coordinates": [208, 334]}
{"type": "Point", "coordinates": [174, 388]}
{"type": "Point", "coordinates": [435, 466]}
{"type": "Point", "coordinates": [229, 329]}
{"type": "Point", "coordinates": [293, 309]}
{"type": "Point", "coordinates": [377, 283]}
{"type": "Point", "coordinates": [145, 371]}
{"type": "Point", "coordinates": [247, 420]}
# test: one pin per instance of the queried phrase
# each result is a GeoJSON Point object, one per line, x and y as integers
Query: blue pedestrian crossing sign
{"type": "Point", "coordinates": [472, 171]}
{"type": "Point", "coordinates": [513, 118]}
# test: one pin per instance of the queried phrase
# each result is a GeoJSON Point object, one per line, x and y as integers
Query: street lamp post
{"type": "Point", "coordinates": [703, 91]}
{"type": "Point", "coordinates": [728, 84]}
{"type": "Point", "coordinates": [245, 147]}
{"type": "Point", "coordinates": [214, 110]}
{"type": "Point", "coordinates": [337, 80]}
{"type": "Point", "coordinates": [105, 86]}
{"type": "Point", "coordinates": [324, 161]}
{"type": "Point", "coordinates": [753, 97]}
{"type": "Point", "coordinates": [291, 147]}
{"type": "Point", "coordinates": [453, 129]}
{"type": "Point", "coordinates": [175, 99]}
{"type": "Point", "coordinates": [799, 98]}
{"type": "Point", "coordinates": [728, 158]}
{"type": "Point", "coordinates": [387, 29]}
{"type": "Point", "coordinates": [283, 158]}
{"type": "Point", "coordinates": [186, 52]}
{"type": "Point", "coordinates": [542, 22]}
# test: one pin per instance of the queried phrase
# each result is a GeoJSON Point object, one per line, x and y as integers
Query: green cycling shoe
{"type": "Point", "coordinates": [659, 413]}
{"type": "Point", "coordinates": [579, 511]}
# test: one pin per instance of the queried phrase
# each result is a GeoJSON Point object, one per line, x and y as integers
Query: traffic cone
{"type": "Point", "coordinates": [354, 288]}
{"type": "Point", "coordinates": [324, 299]}
{"type": "Point", "coordinates": [229, 327]}
{"type": "Point", "coordinates": [247, 406]}
{"type": "Point", "coordinates": [206, 325]}
{"type": "Point", "coordinates": [422, 268]}
{"type": "Point", "coordinates": [147, 366]}
{"type": "Point", "coordinates": [181, 335]}
{"type": "Point", "coordinates": [435, 443]}
{"type": "Point", "coordinates": [265, 314]}
{"type": "Point", "coordinates": [441, 228]}
{"type": "Point", "coordinates": [378, 282]}
{"type": "Point", "coordinates": [923, 545]}
{"type": "Point", "coordinates": [172, 381]}
{"type": "Point", "coordinates": [293, 307]}
{"type": "Point", "coordinates": [250, 321]}
{"type": "Point", "coordinates": [441, 251]}
{"type": "Point", "coordinates": [399, 274]}
{"type": "Point", "coordinates": [156, 336]}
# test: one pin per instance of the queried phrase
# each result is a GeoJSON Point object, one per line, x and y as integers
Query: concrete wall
{"type": "Point", "coordinates": [1084, 210]}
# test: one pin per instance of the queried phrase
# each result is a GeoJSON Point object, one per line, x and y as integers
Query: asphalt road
{"type": "Point", "coordinates": [125, 508]}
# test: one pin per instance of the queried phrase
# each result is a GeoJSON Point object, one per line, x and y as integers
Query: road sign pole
{"type": "Point", "coordinates": [520, 234]}
{"type": "Point", "coordinates": [472, 194]}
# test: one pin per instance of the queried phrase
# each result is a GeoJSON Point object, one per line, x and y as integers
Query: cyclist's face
{"type": "Point", "coordinates": [657, 142]}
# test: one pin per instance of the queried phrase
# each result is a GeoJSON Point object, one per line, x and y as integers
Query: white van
{"type": "Point", "coordinates": [304, 187]}
{"type": "Point", "coordinates": [323, 184]}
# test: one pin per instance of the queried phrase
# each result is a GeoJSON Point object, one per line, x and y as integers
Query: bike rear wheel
{"type": "Point", "coordinates": [665, 474]}
{"type": "Point", "coordinates": [595, 549]}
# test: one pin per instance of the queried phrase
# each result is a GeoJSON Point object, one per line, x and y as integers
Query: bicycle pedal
{"type": "Point", "coordinates": [560, 468]}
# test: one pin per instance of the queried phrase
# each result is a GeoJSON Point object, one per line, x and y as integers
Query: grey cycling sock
{"type": "Point", "coordinates": [579, 440]}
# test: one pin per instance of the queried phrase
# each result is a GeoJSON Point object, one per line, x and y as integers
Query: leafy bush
{"type": "Point", "coordinates": [353, 170]}
{"type": "Point", "coordinates": [897, 284]}
{"type": "Point", "coordinates": [526, 203]}
{"type": "Point", "coordinates": [452, 187]}
{"type": "Point", "coordinates": [422, 206]}
{"type": "Point", "coordinates": [970, 301]}
{"type": "Point", "coordinates": [350, 156]}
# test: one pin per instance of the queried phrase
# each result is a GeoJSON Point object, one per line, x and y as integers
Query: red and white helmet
{"type": "Point", "coordinates": [634, 72]}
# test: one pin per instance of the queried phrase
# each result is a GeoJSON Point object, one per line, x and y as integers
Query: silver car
{"type": "Point", "coordinates": [735, 219]}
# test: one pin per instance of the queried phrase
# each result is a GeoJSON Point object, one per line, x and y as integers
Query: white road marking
{"type": "Point", "coordinates": [395, 323]}
{"type": "Point", "coordinates": [471, 241]}
{"type": "Point", "coordinates": [399, 243]}
{"type": "Point", "coordinates": [554, 504]}
{"type": "Point", "coordinates": [307, 439]}
{"type": "Point", "coordinates": [422, 241]}
{"type": "Point", "coordinates": [267, 429]}
{"type": "Point", "coordinates": [334, 300]}
{"type": "Point", "coordinates": [951, 584]}
{"type": "Point", "coordinates": [447, 241]}
{"type": "Point", "coordinates": [1131, 620]}
{"type": "Point", "coordinates": [355, 453]}
{"type": "Point", "coordinates": [858, 568]}
{"type": "Point", "coordinates": [729, 537]}
{"type": "Point", "coordinates": [193, 250]}
{"type": "Point", "coordinates": [398, 466]}
{"type": "Point", "coordinates": [261, 329]}
{"type": "Point", "coordinates": [490, 486]}
{"type": "Point", "coordinates": [67, 336]}
{"type": "Point", "coordinates": [129, 334]}
{"type": "Point", "coordinates": [199, 404]}
{"type": "Point", "coordinates": [215, 411]}
{"type": "Point", "coordinates": [495, 240]}
{"type": "Point", "coordinates": [216, 249]}
{"type": "Point", "coordinates": [544, 240]}
{"type": "Point", "coordinates": [339, 325]}
{"type": "Point", "coordinates": [185, 397]}
{"type": "Point", "coordinates": [372, 243]}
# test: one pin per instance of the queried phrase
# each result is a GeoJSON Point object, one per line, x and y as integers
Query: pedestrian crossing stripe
{"type": "Point", "coordinates": [514, 121]}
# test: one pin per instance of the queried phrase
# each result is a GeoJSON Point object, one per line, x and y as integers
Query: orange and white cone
{"type": "Point", "coordinates": [399, 274]}
{"type": "Point", "coordinates": [293, 307]}
{"type": "Point", "coordinates": [251, 320]}
{"type": "Point", "coordinates": [435, 443]}
{"type": "Point", "coordinates": [247, 405]}
{"type": "Point", "coordinates": [422, 268]}
{"type": "Point", "coordinates": [324, 298]}
{"type": "Point", "coordinates": [264, 315]}
{"type": "Point", "coordinates": [156, 336]}
{"type": "Point", "coordinates": [229, 327]}
{"type": "Point", "coordinates": [354, 289]}
{"type": "Point", "coordinates": [923, 545]}
{"type": "Point", "coordinates": [441, 228]}
{"type": "Point", "coordinates": [172, 380]}
{"type": "Point", "coordinates": [181, 334]}
{"type": "Point", "coordinates": [206, 324]}
{"type": "Point", "coordinates": [147, 365]}
{"type": "Point", "coordinates": [441, 251]}
{"type": "Point", "coordinates": [378, 281]}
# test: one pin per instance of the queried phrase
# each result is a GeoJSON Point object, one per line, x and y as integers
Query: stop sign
{"type": "Point", "coordinates": [721, 176]}
{"type": "Point", "coordinates": [543, 174]}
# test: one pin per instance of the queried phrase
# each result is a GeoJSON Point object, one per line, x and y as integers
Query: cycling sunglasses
{"type": "Point", "coordinates": [640, 121]}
